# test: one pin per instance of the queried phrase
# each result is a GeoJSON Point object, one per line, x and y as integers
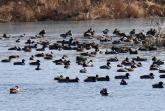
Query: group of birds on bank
{"type": "Point", "coordinates": [127, 65]}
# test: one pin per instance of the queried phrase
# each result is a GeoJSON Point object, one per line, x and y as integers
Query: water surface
{"type": "Point", "coordinates": [39, 92]}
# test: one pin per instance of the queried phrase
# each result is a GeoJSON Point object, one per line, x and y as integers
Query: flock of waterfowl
{"type": "Point", "coordinates": [88, 50]}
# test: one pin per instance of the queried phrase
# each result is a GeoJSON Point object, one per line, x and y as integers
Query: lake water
{"type": "Point", "coordinates": [39, 92]}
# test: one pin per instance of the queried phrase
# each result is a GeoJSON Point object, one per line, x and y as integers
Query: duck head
{"type": "Point", "coordinates": [23, 60]}
{"type": "Point", "coordinates": [67, 78]}
{"type": "Point", "coordinates": [151, 74]}
{"type": "Point", "coordinates": [38, 61]}
{"type": "Point", "coordinates": [160, 83]}
{"type": "Point", "coordinates": [127, 74]}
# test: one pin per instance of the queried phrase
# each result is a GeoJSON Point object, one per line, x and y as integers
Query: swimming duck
{"type": "Point", "coordinates": [14, 90]}
{"type": "Point", "coordinates": [38, 67]}
{"type": "Point", "coordinates": [6, 60]}
{"type": "Point", "coordinates": [90, 79]}
{"type": "Point", "coordinates": [106, 78]}
{"type": "Point", "coordinates": [59, 77]}
{"type": "Point", "coordinates": [20, 63]}
{"type": "Point", "coordinates": [68, 80]}
{"type": "Point", "coordinates": [113, 59]}
{"type": "Point", "coordinates": [104, 92]}
{"type": "Point", "coordinates": [31, 57]}
{"type": "Point", "coordinates": [35, 63]}
{"type": "Point", "coordinates": [126, 76]}
{"type": "Point", "coordinates": [121, 70]}
{"type": "Point", "coordinates": [123, 82]}
{"type": "Point", "coordinates": [150, 76]}
{"type": "Point", "coordinates": [158, 85]}
{"type": "Point", "coordinates": [84, 70]}
{"type": "Point", "coordinates": [105, 31]}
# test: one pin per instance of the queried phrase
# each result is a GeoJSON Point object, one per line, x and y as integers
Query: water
{"type": "Point", "coordinates": [39, 92]}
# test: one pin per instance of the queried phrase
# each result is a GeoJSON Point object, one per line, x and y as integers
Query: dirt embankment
{"type": "Point", "coordinates": [38, 10]}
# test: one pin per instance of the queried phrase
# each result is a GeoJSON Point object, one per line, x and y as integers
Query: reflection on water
{"type": "Point", "coordinates": [40, 92]}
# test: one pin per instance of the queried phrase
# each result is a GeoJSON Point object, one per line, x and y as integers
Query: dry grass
{"type": "Point", "coordinates": [21, 13]}
{"type": "Point", "coordinates": [156, 10]}
{"type": "Point", "coordinates": [136, 10]}
{"type": "Point", "coordinates": [100, 11]}
{"type": "Point", "coordinates": [77, 9]}
{"type": "Point", "coordinates": [5, 13]}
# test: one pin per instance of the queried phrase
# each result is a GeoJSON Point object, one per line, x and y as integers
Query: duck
{"type": "Point", "coordinates": [132, 32]}
{"type": "Point", "coordinates": [59, 77]}
{"type": "Point", "coordinates": [38, 67]}
{"type": "Point", "coordinates": [18, 40]}
{"type": "Point", "coordinates": [119, 65]}
{"type": "Point", "coordinates": [158, 85]}
{"type": "Point", "coordinates": [129, 69]}
{"type": "Point", "coordinates": [80, 60]}
{"type": "Point", "coordinates": [58, 62]}
{"type": "Point", "coordinates": [14, 56]}
{"type": "Point", "coordinates": [161, 70]}
{"type": "Point", "coordinates": [162, 76]}
{"type": "Point", "coordinates": [111, 52]}
{"type": "Point", "coordinates": [139, 64]}
{"type": "Point", "coordinates": [104, 92]}
{"type": "Point", "coordinates": [113, 59]}
{"type": "Point", "coordinates": [6, 60]}
{"type": "Point", "coordinates": [68, 80]}
{"type": "Point", "coordinates": [4, 35]}
{"type": "Point", "coordinates": [49, 56]}
{"type": "Point", "coordinates": [123, 82]}
{"type": "Point", "coordinates": [90, 79]}
{"type": "Point", "coordinates": [116, 42]}
{"type": "Point", "coordinates": [74, 80]}
{"type": "Point", "coordinates": [41, 49]}
{"type": "Point", "coordinates": [127, 63]}
{"type": "Point", "coordinates": [105, 67]}
{"type": "Point", "coordinates": [88, 64]}
{"type": "Point", "coordinates": [20, 63]}
{"type": "Point", "coordinates": [158, 62]}
{"type": "Point", "coordinates": [126, 76]}
{"type": "Point", "coordinates": [150, 76]}
{"type": "Point", "coordinates": [106, 78]}
{"type": "Point", "coordinates": [154, 67]}
{"type": "Point", "coordinates": [139, 59]}
{"type": "Point", "coordinates": [105, 31]}
{"type": "Point", "coordinates": [42, 33]}
{"type": "Point", "coordinates": [104, 39]}
{"type": "Point", "coordinates": [84, 70]}
{"type": "Point", "coordinates": [131, 51]}
{"type": "Point", "coordinates": [31, 57]}
{"type": "Point", "coordinates": [23, 35]}
{"type": "Point", "coordinates": [121, 70]}
{"type": "Point", "coordinates": [35, 63]}
{"type": "Point", "coordinates": [66, 66]}
{"type": "Point", "coordinates": [14, 90]}
{"type": "Point", "coordinates": [27, 49]}
{"type": "Point", "coordinates": [13, 48]}
{"type": "Point", "coordinates": [67, 34]}
{"type": "Point", "coordinates": [89, 33]}
{"type": "Point", "coordinates": [39, 55]}
{"type": "Point", "coordinates": [154, 59]}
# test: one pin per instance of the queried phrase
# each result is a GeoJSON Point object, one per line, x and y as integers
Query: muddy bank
{"type": "Point", "coordinates": [40, 10]}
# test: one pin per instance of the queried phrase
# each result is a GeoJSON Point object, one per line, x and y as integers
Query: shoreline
{"type": "Point", "coordinates": [89, 20]}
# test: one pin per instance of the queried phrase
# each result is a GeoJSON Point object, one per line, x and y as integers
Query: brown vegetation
{"type": "Point", "coordinates": [36, 10]}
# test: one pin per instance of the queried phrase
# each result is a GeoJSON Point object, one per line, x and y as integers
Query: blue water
{"type": "Point", "coordinates": [39, 92]}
